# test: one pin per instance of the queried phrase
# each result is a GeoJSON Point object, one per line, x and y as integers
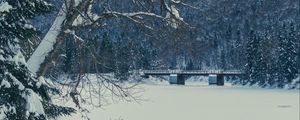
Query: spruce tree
{"type": "Point", "coordinates": [293, 41]}
{"type": "Point", "coordinates": [256, 66]}
{"type": "Point", "coordinates": [144, 59]}
{"type": "Point", "coordinates": [122, 60]}
{"type": "Point", "coordinates": [107, 55]}
{"type": "Point", "coordinates": [251, 50]}
{"type": "Point", "coordinates": [287, 63]}
{"type": "Point", "coordinates": [261, 64]}
{"type": "Point", "coordinates": [22, 95]}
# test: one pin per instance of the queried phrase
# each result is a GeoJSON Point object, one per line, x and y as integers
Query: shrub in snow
{"type": "Point", "coordinates": [22, 95]}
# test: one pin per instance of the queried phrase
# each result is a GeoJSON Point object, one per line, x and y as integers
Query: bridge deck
{"type": "Point", "coordinates": [190, 72]}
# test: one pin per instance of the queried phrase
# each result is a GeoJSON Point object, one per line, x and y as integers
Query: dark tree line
{"type": "Point", "coordinates": [273, 70]}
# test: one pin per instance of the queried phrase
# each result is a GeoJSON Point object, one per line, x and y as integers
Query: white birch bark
{"type": "Point", "coordinates": [46, 45]}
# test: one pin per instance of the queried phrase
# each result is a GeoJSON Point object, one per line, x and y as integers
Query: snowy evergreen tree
{"type": "Point", "coordinates": [256, 68]}
{"type": "Point", "coordinates": [144, 57]}
{"type": "Point", "coordinates": [122, 59]}
{"type": "Point", "coordinates": [22, 95]}
{"type": "Point", "coordinates": [261, 61]}
{"type": "Point", "coordinates": [251, 49]}
{"type": "Point", "coordinates": [287, 65]}
{"type": "Point", "coordinates": [106, 55]}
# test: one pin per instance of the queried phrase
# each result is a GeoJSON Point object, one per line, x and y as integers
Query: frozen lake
{"type": "Point", "coordinates": [202, 102]}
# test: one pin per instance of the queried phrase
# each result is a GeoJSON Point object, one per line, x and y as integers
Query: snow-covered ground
{"type": "Point", "coordinates": [198, 101]}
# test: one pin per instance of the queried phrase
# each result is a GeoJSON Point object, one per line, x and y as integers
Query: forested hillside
{"type": "Point", "coordinates": [257, 36]}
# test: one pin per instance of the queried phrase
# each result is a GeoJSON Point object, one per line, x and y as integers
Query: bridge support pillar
{"type": "Point", "coordinates": [145, 76]}
{"type": "Point", "coordinates": [176, 79]}
{"type": "Point", "coordinates": [220, 80]}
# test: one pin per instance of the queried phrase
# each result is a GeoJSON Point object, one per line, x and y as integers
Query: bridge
{"type": "Point", "coordinates": [176, 76]}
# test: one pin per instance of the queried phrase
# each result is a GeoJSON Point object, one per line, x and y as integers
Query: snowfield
{"type": "Point", "coordinates": [198, 101]}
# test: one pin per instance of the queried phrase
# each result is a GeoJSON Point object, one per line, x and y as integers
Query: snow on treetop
{"type": "Point", "coordinates": [34, 104]}
{"type": "Point", "coordinates": [19, 58]}
{"type": "Point", "coordinates": [5, 84]}
{"type": "Point", "coordinates": [16, 81]}
{"type": "Point", "coordinates": [41, 81]}
{"type": "Point", "coordinates": [4, 6]}
{"type": "Point", "coordinates": [4, 109]}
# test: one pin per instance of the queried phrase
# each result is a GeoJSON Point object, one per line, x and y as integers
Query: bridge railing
{"type": "Point", "coordinates": [189, 71]}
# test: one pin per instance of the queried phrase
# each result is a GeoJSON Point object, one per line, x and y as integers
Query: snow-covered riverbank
{"type": "Point", "coordinates": [202, 102]}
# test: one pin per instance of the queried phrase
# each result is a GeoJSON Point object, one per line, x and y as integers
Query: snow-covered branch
{"type": "Point", "coordinates": [78, 13]}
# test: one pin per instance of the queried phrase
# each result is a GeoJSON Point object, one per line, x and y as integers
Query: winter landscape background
{"type": "Point", "coordinates": [74, 59]}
